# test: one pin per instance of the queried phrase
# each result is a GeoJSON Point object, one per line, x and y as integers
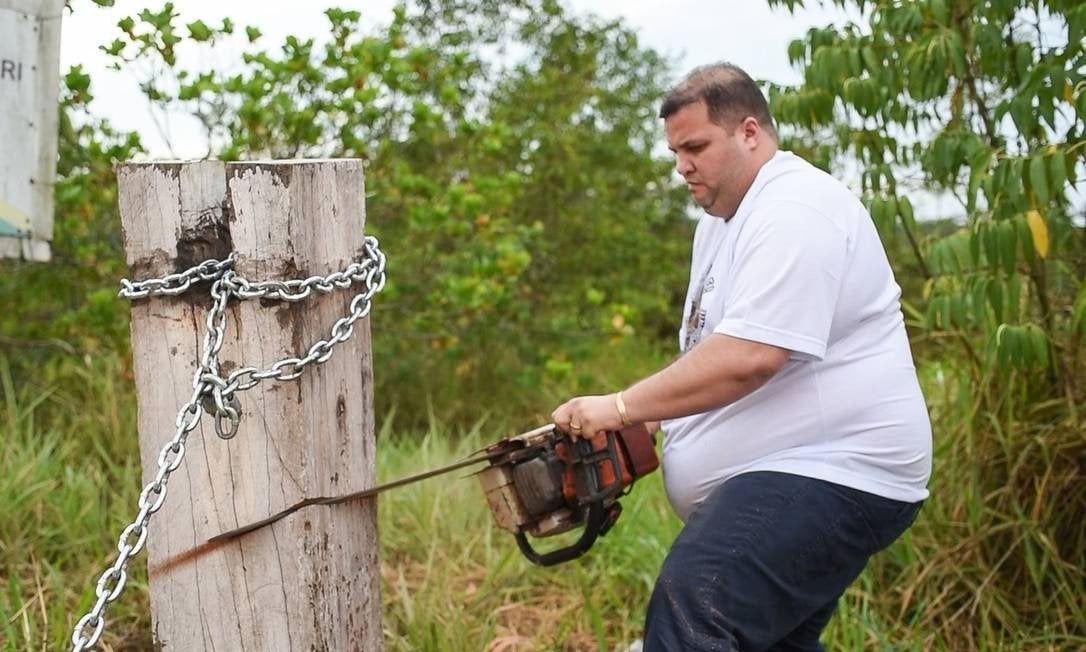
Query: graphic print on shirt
{"type": "Point", "coordinates": [695, 323]}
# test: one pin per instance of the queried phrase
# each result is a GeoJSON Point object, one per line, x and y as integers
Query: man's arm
{"type": "Point", "coordinates": [718, 371]}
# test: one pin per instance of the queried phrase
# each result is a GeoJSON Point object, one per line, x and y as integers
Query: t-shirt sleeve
{"type": "Point", "coordinates": [786, 279]}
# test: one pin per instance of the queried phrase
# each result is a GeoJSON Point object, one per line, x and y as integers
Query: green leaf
{"type": "Point", "coordinates": [854, 65]}
{"type": "Point", "coordinates": [957, 303]}
{"type": "Point", "coordinates": [974, 247]}
{"type": "Point", "coordinates": [1039, 344]}
{"type": "Point", "coordinates": [1001, 345]}
{"type": "Point", "coordinates": [956, 50]}
{"type": "Point", "coordinates": [1037, 178]}
{"type": "Point", "coordinates": [1023, 60]}
{"type": "Point", "coordinates": [1057, 171]}
{"type": "Point", "coordinates": [979, 298]}
{"type": "Point", "coordinates": [870, 59]}
{"type": "Point", "coordinates": [1025, 238]}
{"type": "Point", "coordinates": [995, 299]}
{"type": "Point", "coordinates": [931, 316]}
{"type": "Point", "coordinates": [1012, 182]}
{"type": "Point", "coordinates": [199, 31]}
{"type": "Point", "coordinates": [252, 33]}
{"type": "Point", "coordinates": [905, 210]}
{"type": "Point", "coordinates": [1008, 245]}
{"type": "Point", "coordinates": [978, 171]}
{"type": "Point", "coordinates": [940, 11]}
{"type": "Point", "coordinates": [991, 244]}
{"type": "Point", "coordinates": [1078, 312]}
{"type": "Point", "coordinates": [76, 80]}
{"type": "Point", "coordinates": [1016, 341]}
{"type": "Point", "coordinates": [797, 51]}
{"type": "Point", "coordinates": [114, 49]}
{"type": "Point", "coordinates": [1022, 114]}
{"type": "Point", "coordinates": [1014, 298]}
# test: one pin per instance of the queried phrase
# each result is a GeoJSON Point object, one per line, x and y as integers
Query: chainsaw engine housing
{"type": "Point", "coordinates": [544, 483]}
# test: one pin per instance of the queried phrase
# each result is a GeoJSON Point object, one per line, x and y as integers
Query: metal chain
{"type": "Point", "coordinates": [174, 284]}
{"type": "Point", "coordinates": [214, 394]}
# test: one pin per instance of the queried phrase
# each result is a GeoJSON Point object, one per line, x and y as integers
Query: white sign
{"type": "Point", "coordinates": [29, 84]}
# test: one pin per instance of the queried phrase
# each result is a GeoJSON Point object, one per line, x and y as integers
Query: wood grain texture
{"type": "Point", "coordinates": [310, 581]}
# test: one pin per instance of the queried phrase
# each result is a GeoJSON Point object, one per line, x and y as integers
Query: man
{"type": "Point", "coordinates": [797, 443]}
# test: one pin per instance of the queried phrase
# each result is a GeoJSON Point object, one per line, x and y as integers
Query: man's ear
{"type": "Point", "coordinates": [751, 129]}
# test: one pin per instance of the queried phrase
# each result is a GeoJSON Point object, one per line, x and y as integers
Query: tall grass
{"type": "Point", "coordinates": [454, 581]}
{"type": "Point", "coordinates": [994, 562]}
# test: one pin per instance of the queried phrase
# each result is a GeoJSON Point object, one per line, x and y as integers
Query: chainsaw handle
{"type": "Point", "coordinates": [595, 525]}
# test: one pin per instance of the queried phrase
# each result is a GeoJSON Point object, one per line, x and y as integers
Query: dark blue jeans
{"type": "Point", "coordinates": [761, 563]}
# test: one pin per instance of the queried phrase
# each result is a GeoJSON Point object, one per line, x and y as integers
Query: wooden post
{"type": "Point", "coordinates": [310, 581]}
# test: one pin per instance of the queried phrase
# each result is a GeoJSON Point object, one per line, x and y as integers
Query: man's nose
{"type": "Point", "coordinates": [683, 165]}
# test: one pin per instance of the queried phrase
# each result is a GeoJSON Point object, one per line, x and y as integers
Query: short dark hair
{"type": "Point", "coordinates": [728, 92]}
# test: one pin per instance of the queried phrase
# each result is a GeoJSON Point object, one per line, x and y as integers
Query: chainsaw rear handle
{"type": "Point", "coordinates": [597, 522]}
{"type": "Point", "coordinates": [592, 490]}
{"type": "Point", "coordinates": [584, 476]}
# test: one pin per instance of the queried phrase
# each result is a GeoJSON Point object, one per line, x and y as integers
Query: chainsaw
{"type": "Point", "coordinates": [539, 483]}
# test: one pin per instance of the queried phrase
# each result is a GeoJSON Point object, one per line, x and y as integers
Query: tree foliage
{"type": "Point", "coordinates": [509, 174]}
{"type": "Point", "coordinates": [983, 103]}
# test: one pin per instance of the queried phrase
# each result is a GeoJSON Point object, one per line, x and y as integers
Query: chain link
{"type": "Point", "coordinates": [174, 284]}
{"type": "Point", "coordinates": [215, 395]}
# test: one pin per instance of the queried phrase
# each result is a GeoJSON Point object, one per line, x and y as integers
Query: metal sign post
{"type": "Point", "coordinates": [29, 85]}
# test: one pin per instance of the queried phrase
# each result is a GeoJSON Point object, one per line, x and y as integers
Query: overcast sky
{"type": "Point", "coordinates": [689, 32]}
{"type": "Point", "coordinates": [692, 32]}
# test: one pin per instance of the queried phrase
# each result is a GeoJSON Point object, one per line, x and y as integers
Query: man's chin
{"type": "Point", "coordinates": [702, 200]}
{"type": "Point", "coordinates": [716, 211]}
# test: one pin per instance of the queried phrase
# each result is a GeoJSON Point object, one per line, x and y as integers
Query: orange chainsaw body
{"type": "Point", "coordinates": [544, 483]}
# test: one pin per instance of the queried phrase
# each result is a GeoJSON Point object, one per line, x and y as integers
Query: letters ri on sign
{"type": "Point", "coordinates": [12, 70]}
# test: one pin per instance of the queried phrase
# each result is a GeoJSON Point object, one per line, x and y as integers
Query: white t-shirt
{"type": "Point", "coordinates": [800, 266]}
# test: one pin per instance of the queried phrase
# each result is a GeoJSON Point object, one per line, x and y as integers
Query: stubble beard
{"type": "Point", "coordinates": [712, 194]}
{"type": "Point", "coordinates": [706, 202]}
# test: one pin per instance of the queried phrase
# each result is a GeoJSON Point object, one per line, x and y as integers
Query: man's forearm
{"type": "Point", "coordinates": [718, 371]}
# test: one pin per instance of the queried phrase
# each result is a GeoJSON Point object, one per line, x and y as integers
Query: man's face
{"type": "Point", "coordinates": [716, 162]}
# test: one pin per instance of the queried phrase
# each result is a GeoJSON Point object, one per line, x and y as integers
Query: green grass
{"type": "Point", "coordinates": [993, 563]}
{"type": "Point", "coordinates": [454, 581]}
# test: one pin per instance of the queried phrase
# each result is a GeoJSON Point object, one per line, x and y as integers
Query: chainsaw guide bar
{"type": "Point", "coordinates": [539, 482]}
